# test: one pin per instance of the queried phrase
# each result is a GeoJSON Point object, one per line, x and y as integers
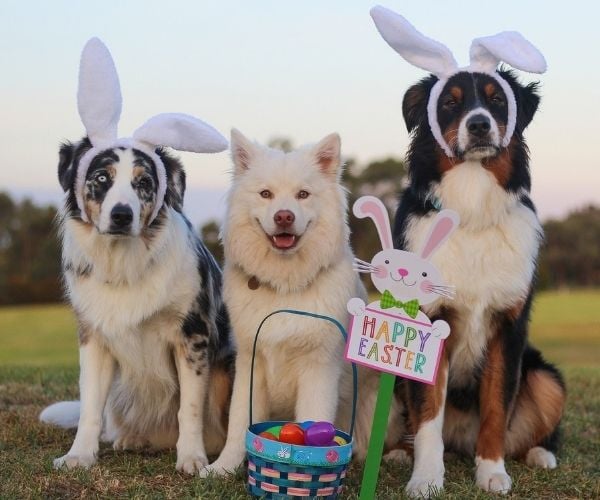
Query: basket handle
{"type": "Point", "coordinates": [312, 315]}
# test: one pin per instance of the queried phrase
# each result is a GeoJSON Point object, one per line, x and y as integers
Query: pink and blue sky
{"type": "Point", "coordinates": [282, 68]}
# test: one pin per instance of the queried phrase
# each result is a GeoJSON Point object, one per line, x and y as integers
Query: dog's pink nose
{"type": "Point", "coordinates": [284, 218]}
{"type": "Point", "coordinates": [402, 272]}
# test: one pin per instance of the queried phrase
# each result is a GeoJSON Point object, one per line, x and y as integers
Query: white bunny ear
{"type": "Point", "coordinates": [412, 45]}
{"type": "Point", "coordinates": [181, 132]}
{"type": "Point", "coordinates": [99, 93]}
{"type": "Point", "coordinates": [369, 206]}
{"type": "Point", "coordinates": [509, 47]}
{"type": "Point", "coordinates": [445, 222]}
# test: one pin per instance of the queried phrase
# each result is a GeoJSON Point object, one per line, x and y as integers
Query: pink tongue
{"type": "Point", "coordinates": [284, 240]}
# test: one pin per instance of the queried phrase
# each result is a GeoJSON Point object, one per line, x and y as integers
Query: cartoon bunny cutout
{"type": "Point", "coordinates": [99, 103]}
{"type": "Point", "coordinates": [406, 280]}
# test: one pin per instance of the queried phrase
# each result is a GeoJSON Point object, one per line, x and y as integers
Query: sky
{"type": "Point", "coordinates": [283, 69]}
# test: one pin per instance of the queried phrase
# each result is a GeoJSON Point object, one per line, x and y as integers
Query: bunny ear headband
{"type": "Point", "coordinates": [99, 105]}
{"type": "Point", "coordinates": [485, 55]}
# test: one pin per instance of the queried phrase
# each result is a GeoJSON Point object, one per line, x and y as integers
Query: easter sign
{"type": "Point", "coordinates": [395, 344]}
{"type": "Point", "coordinates": [392, 334]}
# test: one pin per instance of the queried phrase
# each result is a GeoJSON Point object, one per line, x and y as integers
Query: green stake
{"type": "Point", "coordinates": [378, 430]}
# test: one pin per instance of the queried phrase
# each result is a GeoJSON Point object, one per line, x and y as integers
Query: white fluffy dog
{"type": "Point", "coordinates": [286, 246]}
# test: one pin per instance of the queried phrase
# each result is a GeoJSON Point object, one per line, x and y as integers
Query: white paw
{"type": "Point", "coordinates": [440, 329]}
{"type": "Point", "coordinates": [425, 486]}
{"type": "Point", "coordinates": [399, 456]}
{"type": "Point", "coordinates": [356, 306]}
{"type": "Point", "coordinates": [128, 442]}
{"type": "Point", "coordinates": [220, 468]}
{"type": "Point", "coordinates": [540, 457]}
{"type": "Point", "coordinates": [191, 463]}
{"type": "Point", "coordinates": [491, 476]}
{"type": "Point", "coordinates": [71, 461]}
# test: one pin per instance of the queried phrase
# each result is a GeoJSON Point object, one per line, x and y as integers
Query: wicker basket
{"type": "Point", "coordinates": [286, 471]}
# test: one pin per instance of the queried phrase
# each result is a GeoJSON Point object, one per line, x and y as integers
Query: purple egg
{"type": "Point", "coordinates": [319, 434]}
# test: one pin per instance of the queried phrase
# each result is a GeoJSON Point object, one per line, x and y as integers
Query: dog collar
{"type": "Point", "coordinates": [486, 54]}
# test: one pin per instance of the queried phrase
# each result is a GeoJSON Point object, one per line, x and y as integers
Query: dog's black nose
{"type": "Point", "coordinates": [478, 125]}
{"type": "Point", "coordinates": [121, 215]}
{"type": "Point", "coordinates": [284, 218]}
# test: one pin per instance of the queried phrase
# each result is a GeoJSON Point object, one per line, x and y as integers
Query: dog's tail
{"type": "Point", "coordinates": [64, 414]}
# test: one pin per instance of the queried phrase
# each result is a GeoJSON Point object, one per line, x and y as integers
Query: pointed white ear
{"type": "Point", "coordinates": [242, 151]}
{"type": "Point", "coordinates": [327, 153]}
{"type": "Point", "coordinates": [99, 93]}
{"type": "Point", "coordinates": [509, 47]}
{"type": "Point", "coordinates": [369, 206]}
{"type": "Point", "coordinates": [181, 132]}
{"type": "Point", "coordinates": [412, 45]}
{"type": "Point", "coordinates": [444, 224]}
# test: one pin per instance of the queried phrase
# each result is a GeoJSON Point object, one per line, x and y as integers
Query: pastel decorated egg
{"type": "Point", "coordinates": [305, 425]}
{"type": "Point", "coordinates": [340, 440]}
{"type": "Point", "coordinates": [319, 434]}
{"type": "Point", "coordinates": [275, 430]}
{"type": "Point", "coordinates": [268, 435]}
{"type": "Point", "coordinates": [292, 434]}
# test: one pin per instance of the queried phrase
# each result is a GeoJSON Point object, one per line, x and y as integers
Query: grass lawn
{"type": "Point", "coordinates": [38, 365]}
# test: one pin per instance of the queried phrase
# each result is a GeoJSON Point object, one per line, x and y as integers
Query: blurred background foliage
{"type": "Point", "coordinates": [30, 249]}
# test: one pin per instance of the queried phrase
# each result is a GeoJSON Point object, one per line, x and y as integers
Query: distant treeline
{"type": "Point", "coordinates": [30, 250]}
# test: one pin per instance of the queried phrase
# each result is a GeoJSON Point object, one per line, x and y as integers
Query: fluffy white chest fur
{"type": "Point", "coordinates": [490, 258]}
{"type": "Point", "coordinates": [133, 297]}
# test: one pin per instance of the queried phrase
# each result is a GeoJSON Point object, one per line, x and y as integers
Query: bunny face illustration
{"type": "Point", "coordinates": [405, 275]}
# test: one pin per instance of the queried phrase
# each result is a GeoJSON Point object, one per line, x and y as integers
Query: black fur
{"type": "Point", "coordinates": [424, 160]}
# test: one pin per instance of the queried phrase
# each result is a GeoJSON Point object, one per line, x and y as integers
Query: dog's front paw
{"type": "Point", "coordinates": [540, 457]}
{"type": "Point", "coordinates": [399, 456]}
{"type": "Point", "coordinates": [219, 468]}
{"type": "Point", "coordinates": [491, 476]}
{"type": "Point", "coordinates": [425, 486]}
{"type": "Point", "coordinates": [356, 306]}
{"type": "Point", "coordinates": [191, 462]}
{"type": "Point", "coordinates": [71, 461]}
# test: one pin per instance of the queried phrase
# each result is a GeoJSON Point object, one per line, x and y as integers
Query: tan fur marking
{"type": "Point", "coordinates": [501, 166]}
{"type": "Point", "coordinates": [490, 442]}
{"type": "Point", "coordinates": [489, 89]}
{"type": "Point", "coordinates": [457, 93]}
{"type": "Point", "coordinates": [221, 385]}
{"type": "Point", "coordinates": [138, 171]}
{"type": "Point", "coordinates": [538, 410]}
{"type": "Point", "coordinates": [433, 396]}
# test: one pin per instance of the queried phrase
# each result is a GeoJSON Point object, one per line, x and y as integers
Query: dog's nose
{"type": "Point", "coordinates": [478, 125]}
{"type": "Point", "coordinates": [121, 215]}
{"type": "Point", "coordinates": [284, 218]}
{"type": "Point", "coordinates": [402, 272]}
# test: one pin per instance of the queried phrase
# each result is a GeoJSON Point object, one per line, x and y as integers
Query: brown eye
{"type": "Point", "coordinates": [450, 103]}
{"type": "Point", "coordinates": [302, 195]}
{"type": "Point", "coordinates": [265, 193]}
{"type": "Point", "coordinates": [497, 99]}
{"type": "Point", "coordinates": [144, 183]}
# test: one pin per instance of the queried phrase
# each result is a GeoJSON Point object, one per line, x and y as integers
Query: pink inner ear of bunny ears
{"type": "Point", "coordinates": [374, 208]}
{"type": "Point", "coordinates": [442, 229]}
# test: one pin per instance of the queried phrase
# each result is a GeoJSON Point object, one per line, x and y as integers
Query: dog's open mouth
{"type": "Point", "coordinates": [284, 241]}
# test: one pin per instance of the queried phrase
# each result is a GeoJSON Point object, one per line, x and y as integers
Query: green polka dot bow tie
{"type": "Point", "coordinates": [388, 301]}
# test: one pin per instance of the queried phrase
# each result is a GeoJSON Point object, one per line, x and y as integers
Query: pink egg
{"type": "Point", "coordinates": [319, 434]}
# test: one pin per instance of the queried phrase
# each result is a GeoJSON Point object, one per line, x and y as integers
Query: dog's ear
{"type": "Point", "coordinates": [527, 97]}
{"type": "Point", "coordinates": [242, 151]}
{"type": "Point", "coordinates": [528, 100]}
{"type": "Point", "coordinates": [327, 153]}
{"type": "Point", "coordinates": [414, 104]}
{"type": "Point", "coordinates": [175, 179]}
{"type": "Point", "coordinates": [66, 171]}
